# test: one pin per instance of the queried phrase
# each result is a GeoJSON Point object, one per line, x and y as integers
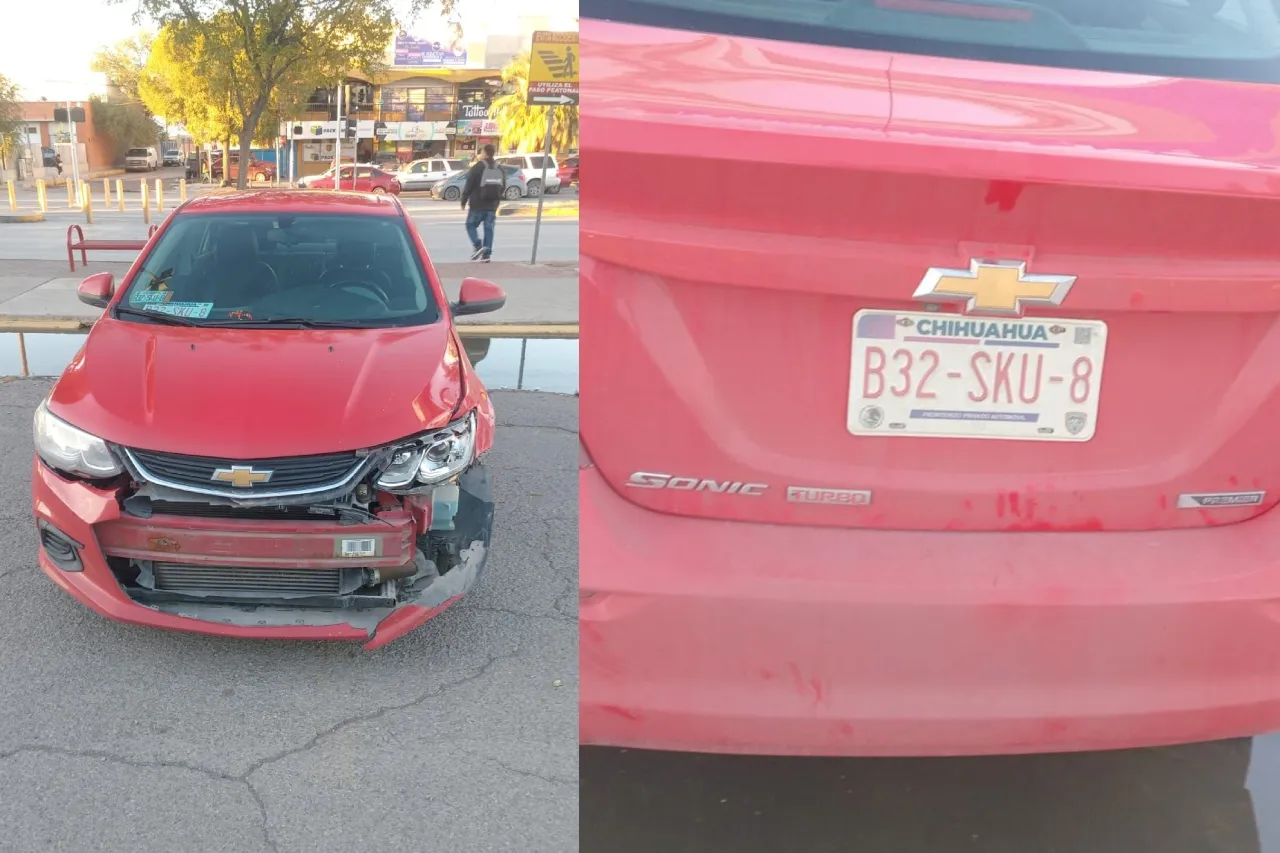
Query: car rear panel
{"type": "Point", "coordinates": [817, 182]}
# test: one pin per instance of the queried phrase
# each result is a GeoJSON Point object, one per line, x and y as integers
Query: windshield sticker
{"type": "Point", "coordinates": [199, 310]}
{"type": "Point", "coordinates": [150, 297]}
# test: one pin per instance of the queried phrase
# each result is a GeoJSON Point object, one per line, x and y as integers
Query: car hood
{"type": "Point", "coordinates": [256, 393]}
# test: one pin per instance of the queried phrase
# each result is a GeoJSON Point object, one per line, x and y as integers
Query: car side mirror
{"type": "Point", "coordinates": [478, 297]}
{"type": "Point", "coordinates": [97, 289]}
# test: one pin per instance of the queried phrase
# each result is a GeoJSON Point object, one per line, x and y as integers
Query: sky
{"type": "Point", "coordinates": [56, 65]}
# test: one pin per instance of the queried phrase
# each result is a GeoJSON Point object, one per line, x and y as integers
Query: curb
{"type": "Point", "coordinates": [532, 211]}
{"type": "Point", "coordinates": [72, 325]}
{"type": "Point", "coordinates": [21, 217]}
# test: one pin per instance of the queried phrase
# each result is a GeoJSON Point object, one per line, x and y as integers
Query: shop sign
{"type": "Point", "coordinates": [480, 127]}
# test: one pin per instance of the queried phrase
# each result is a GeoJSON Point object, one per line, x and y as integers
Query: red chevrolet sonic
{"type": "Point", "coordinates": [934, 409]}
{"type": "Point", "coordinates": [273, 430]}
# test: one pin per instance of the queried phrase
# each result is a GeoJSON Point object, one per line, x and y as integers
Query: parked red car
{"type": "Point", "coordinates": [568, 171]}
{"type": "Point", "coordinates": [363, 179]}
{"type": "Point", "coordinates": [964, 441]}
{"type": "Point", "coordinates": [260, 172]}
{"type": "Point", "coordinates": [273, 430]}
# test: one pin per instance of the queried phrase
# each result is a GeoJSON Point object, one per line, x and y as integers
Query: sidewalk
{"type": "Point", "coordinates": [41, 295]}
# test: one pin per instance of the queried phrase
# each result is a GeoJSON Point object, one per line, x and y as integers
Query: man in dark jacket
{"type": "Point", "coordinates": [483, 190]}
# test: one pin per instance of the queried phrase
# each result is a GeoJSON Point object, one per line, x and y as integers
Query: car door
{"type": "Point", "coordinates": [414, 177]}
{"type": "Point", "coordinates": [364, 179]}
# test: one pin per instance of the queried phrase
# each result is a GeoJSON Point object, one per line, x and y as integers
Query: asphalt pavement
{"type": "Point", "coordinates": [1219, 797]}
{"type": "Point", "coordinates": [462, 736]}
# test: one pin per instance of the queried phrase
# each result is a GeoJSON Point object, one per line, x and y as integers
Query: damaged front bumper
{"type": "Point", "coordinates": [295, 569]}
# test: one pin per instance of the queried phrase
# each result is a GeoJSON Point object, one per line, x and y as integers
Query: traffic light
{"type": "Point", "coordinates": [351, 129]}
{"type": "Point", "coordinates": [60, 114]}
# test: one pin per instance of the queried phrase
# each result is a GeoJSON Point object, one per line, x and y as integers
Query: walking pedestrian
{"type": "Point", "coordinates": [483, 189]}
{"type": "Point", "coordinates": [57, 162]}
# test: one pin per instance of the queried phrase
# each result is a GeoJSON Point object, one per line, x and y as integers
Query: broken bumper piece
{"type": "Point", "coordinates": [281, 572]}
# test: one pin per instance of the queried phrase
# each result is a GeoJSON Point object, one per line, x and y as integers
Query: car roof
{"type": "Point", "coordinates": [291, 201]}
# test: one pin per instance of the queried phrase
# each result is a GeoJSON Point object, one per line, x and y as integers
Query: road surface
{"type": "Point", "coordinates": [460, 737]}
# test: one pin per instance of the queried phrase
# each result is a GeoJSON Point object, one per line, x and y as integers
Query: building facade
{"type": "Point", "coordinates": [431, 99]}
{"type": "Point", "coordinates": [40, 132]}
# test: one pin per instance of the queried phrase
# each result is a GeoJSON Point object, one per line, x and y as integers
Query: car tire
{"type": "Point", "coordinates": [379, 190]}
{"type": "Point", "coordinates": [260, 178]}
{"type": "Point", "coordinates": [511, 193]}
{"type": "Point", "coordinates": [535, 188]}
{"type": "Point", "coordinates": [553, 190]}
{"type": "Point", "coordinates": [452, 194]}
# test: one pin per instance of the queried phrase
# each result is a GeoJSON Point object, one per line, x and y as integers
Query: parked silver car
{"type": "Point", "coordinates": [424, 174]}
{"type": "Point", "coordinates": [450, 189]}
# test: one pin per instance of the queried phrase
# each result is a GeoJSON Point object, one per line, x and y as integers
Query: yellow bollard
{"type": "Point", "coordinates": [86, 192]}
{"type": "Point", "coordinates": [146, 205]}
{"type": "Point", "coordinates": [106, 193]}
{"type": "Point", "coordinates": [42, 196]}
{"type": "Point", "coordinates": [120, 193]}
{"type": "Point", "coordinates": [159, 194]}
{"type": "Point", "coordinates": [71, 194]}
{"type": "Point", "coordinates": [13, 197]}
{"type": "Point", "coordinates": [182, 190]}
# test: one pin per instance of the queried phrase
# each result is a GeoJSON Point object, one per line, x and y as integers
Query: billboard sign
{"type": "Point", "coordinates": [447, 50]}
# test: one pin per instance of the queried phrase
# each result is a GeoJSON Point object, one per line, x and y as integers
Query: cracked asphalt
{"type": "Point", "coordinates": [462, 736]}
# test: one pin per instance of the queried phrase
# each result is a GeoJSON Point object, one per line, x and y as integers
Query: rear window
{"type": "Point", "coordinates": [537, 162]}
{"type": "Point", "coordinates": [224, 269]}
{"type": "Point", "coordinates": [455, 165]}
{"type": "Point", "coordinates": [1213, 39]}
{"type": "Point", "coordinates": [136, 152]}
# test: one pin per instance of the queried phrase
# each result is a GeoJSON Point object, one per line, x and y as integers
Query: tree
{"type": "Point", "coordinates": [123, 64]}
{"type": "Point", "coordinates": [263, 51]}
{"type": "Point", "coordinates": [10, 120]}
{"type": "Point", "coordinates": [127, 125]}
{"type": "Point", "coordinates": [525, 125]}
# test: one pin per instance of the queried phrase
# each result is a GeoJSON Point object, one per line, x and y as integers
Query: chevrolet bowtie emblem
{"type": "Point", "coordinates": [240, 476]}
{"type": "Point", "coordinates": [993, 287]}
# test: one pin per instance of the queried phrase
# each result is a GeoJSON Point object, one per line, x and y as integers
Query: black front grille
{"type": "Point", "coordinates": [269, 513]}
{"type": "Point", "coordinates": [287, 473]}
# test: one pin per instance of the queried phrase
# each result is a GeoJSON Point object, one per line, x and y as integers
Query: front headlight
{"type": "Point", "coordinates": [432, 458]}
{"type": "Point", "coordinates": [72, 451]}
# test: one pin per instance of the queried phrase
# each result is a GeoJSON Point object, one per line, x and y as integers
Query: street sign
{"type": "Point", "coordinates": [553, 69]}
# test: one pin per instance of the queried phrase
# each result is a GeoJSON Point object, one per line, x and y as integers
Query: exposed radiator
{"type": "Point", "coordinates": [176, 577]}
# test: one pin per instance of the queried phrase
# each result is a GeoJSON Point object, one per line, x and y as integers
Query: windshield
{"type": "Point", "coordinates": [136, 152]}
{"type": "Point", "coordinates": [226, 269]}
{"type": "Point", "coordinates": [1214, 39]}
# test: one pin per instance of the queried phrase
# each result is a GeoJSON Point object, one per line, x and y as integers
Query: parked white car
{"type": "Point", "coordinates": [425, 174]}
{"type": "Point", "coordinates": [141, 160]}
{"type": "Point", "coordinates": [530, 166]}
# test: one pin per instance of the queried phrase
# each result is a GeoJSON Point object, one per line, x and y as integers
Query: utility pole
{"type": "Point", "coordinates": [337, 152]}
{"type": "Point", "coordinates": [75, 148]}
{"type": "Point", "coordinates": [542, 185]}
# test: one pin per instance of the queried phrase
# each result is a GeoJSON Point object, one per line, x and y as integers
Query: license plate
{"type": "Point", "coordinates": [358, 548]}
{"type": "Point", "coordinates": [950, 376]}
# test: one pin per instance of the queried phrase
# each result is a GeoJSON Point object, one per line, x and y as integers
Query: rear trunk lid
{"type": "Point", "coordinates": [840, 287]}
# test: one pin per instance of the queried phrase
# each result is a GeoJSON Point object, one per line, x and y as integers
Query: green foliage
{"type": "Point", "coordinates": [525, 125]}
{"type": "Point", "coordinates": [10, 120]}
{"type": "Point", "coordinates": [248, 62]}
{"type": "Point", "coordinates": [126, 125]}
{"type": "Point", "coordinates": [123, 63]}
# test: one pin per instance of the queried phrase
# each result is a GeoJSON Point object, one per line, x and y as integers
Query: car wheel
{"type": "Point", "coordinates": [452, 193]}
{"type": "Point", "coordinates": [553, 190]}
{"type": "Point", "coordinates": [535, 188]}
{"type": "Point", "coordinates": [512, 192]}
{"type": "Point", "coordinates": [260, 178]}
{"type": "Point", "coordinates": [379, 190]}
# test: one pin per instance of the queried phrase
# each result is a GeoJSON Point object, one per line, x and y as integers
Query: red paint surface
{"type": "Point", "coordinates": [994, 596]}
{"type": "Point", "coordinates": [246, 394]}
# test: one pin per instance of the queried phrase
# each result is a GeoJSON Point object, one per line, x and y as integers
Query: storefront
{"type": "Point", "coordinates": [471, 135]}
{"type": "Point", "coordinates": [314, 144]}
